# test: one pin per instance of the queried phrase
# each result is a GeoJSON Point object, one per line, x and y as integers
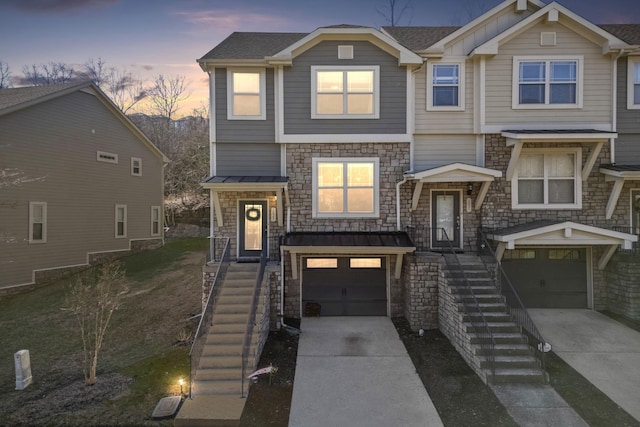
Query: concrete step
{"type": "Point", "coordinates": [506, 349]}
{"type": "Point", "coordinates": [219, 329]}
{"type": "Point", "coordinates": [500, 338]}
{"type": "Point", "coordinates": [228, 308]}
{"type": "Point", "coordinates": [218, 411]}
{"type": "Point", "coordinates": [236, 291]}
{"type": "Point", "coordinates": [517, 376]}
{"type": "Point", "coordinates": [469, 273]}
{"type": "Point", "coordinates": [477, 289]}
{"type": "Point", "coordinates": [495, 327]}
{"type": "Point", "coordinates": [481, 298]}
{"type": "Point", "coordinates": [222, 338]}
{"type": "Point", "coordinates": [489, 307]}
{"type": "Point", "coordinates": [511, 362]}
{"type": "Point", "coordinates": [233, 387]}
{"type": "Point", "coordinates": [223, 318]}
{"type": "Point", "coordinates": [222, 350]}
{"type": "Point", "coordinates": [207, 362]}
{"type": "Point", "coordinates": [491, 316]}
{"type": "Point", "coordinates": [225, 374]}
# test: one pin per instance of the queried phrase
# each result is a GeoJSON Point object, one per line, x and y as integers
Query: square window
{"type": "Point", "coordinates": [345, 93]}
{"type": "Point", "coordinates": [246, 94]}
{"type": "Point", "coordinates": [445, 86]}
{"type": "Point", "coordinates": [345, 188]}
{"type": "Point", "coordinates": [553, 82]}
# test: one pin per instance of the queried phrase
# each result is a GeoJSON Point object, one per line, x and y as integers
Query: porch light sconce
{"type": "Point", "coordinates": [469, 188]}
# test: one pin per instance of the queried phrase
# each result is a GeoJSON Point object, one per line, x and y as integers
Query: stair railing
{"type": "Point", "coordinates": [516, 308]}
{"type": "Point", "coordinates": [479, 325]}
{"type": "Point", "coordinates": [223, 259]}
{"type": "Point", "coordinates": [251, 321]}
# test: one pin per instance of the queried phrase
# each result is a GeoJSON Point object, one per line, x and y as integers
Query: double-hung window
{"type": "Point", "coordinates": [345, 187]}
{"type": "Point", "coordinates": [345, 92]}
{"type": "Point", "coordinates": [136, 166]}
{"type": "Point", "coordinates": [547, 82]}
{"type": "Point", "coordinates": [246, 94]}
{"type": "Point", "coordinates": [37, 222]}
{"type": "Point", "coordinates": [155, 220]}
{"type": "Point", "coordinates": [548, 180]}
{"type": "Point", "coordinates": [121, 221]}
{"type": "Point", "coordinates": [445, 86]}
{"type": "Point", "coordinates": [633, 91]}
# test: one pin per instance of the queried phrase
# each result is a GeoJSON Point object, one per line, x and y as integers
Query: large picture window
{"type": "Point", "coordinates": [445, 86]}
{"type": "Point", "coordinates": [547, 83]}
{"type": "Point", "coordinates": [548, 180]}
{"type": "Point", "coordinates": [345, 187]}
{"type": "Point", "coordinates": [345, 93]}
{"type": "Point", "coordinates": [246, 94]}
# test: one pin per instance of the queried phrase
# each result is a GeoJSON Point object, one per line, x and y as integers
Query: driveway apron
{"type": "Point", "coordinates": [605, 352]}
{"type": "Point", "coordinates": [355, 371]}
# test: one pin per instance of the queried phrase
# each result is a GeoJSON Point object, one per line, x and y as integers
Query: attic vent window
{"type": "Point", "coordinates": [345, 52]}
{"type": "Point", "coordinates": [102, 156]}
{"type": "Point", "coordinates": [547, 39]}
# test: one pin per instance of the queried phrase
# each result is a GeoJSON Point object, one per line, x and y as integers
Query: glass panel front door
{"type": "Point", "coordinates": [445, 219]}
{"type": "Point", "coordinates": [253, 229]}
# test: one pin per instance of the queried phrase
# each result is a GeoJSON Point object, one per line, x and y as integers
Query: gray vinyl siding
{"type": "Point", "coordinates": [628, 149]}
{"type": "Point", "coordinates": [597, 99]}
{"type": "Point", "coordinates": [247, 159]}
{"type": "Point", "coordinates": [297, 91]}
{"type": "Point", "coordinates": [57, 141]}
{"type": "Point", "coordinates": [628, 120]}
{"type": "Point", "coordinates": [432, 151]}
{"type": "Point", "coordinates": [254, 131]}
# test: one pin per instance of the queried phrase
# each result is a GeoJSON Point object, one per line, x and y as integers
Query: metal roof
{"type": "Point", "coordinates": [349, 239]}
{"type": "Point", "coordinates": [621, 168]}
{"type": "Point", "coordinates": [244, 179]}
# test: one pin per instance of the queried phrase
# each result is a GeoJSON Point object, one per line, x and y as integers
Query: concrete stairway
{"type": "Point", "coordinates": [513, 358]}
{"type": "Point", "coordinates": [217, 387]}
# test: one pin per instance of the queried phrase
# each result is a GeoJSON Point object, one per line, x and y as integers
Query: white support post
{"type": "Point", "coordinates": [216, 206]}
{"type": "Point", "coordinates": [615, 195]}
{"type": "Point", "coordinates": [502, 246]}
{"type": "Point", "coordinates": [482, 194]}
{"type": "Point", "coordinates": [416, 195]}
{"type": "Point", "coordinates": [591, 160]}
{"type": "Point", "coordinates": [606, 256]}
{"type": "Point", "coordinates": [398, 270]}
{"type": "Point", "coordinates": [294, 265]}
{"type": "Point", "coordinates": [513, 162]}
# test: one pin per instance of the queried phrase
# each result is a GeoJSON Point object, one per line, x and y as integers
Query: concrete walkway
{"type": "Point", "coordinates": [605, 352]}
{"type": "Point", "coordinates": [355, 371]}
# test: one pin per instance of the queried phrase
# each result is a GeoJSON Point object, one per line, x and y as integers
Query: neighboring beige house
{"type": "Point", "coordinates": [78, 182]}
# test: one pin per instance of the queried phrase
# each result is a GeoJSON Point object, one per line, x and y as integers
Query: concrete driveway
{"type": "Point", "coordinates": [604, 351]}
{"type": "Point", "coordinates": [355, 371]}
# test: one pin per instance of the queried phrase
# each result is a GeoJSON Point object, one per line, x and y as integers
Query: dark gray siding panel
{"type": "Point", "coordinates": [255, 131]}
{"type": "Point", "coordinates": [297, 91]}
{"type": "Point", "coordinates": [628, 120]}
{"type": "Point", "coordinates": [248, 159]}
{"type": "Point", "coordinates": [628, 149]}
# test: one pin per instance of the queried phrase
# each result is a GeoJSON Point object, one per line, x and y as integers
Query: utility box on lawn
{"type": "Point", "coordinates": [23, 369]}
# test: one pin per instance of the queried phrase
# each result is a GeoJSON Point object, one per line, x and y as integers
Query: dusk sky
{"type": "Point", "coordinates": [150, 37]}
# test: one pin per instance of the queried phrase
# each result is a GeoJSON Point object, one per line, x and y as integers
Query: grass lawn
{"type": "Point", "coordinates": [142, 356]}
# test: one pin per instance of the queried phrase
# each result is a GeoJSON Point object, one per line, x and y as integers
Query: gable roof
{"type": "Point", "coordinates": [251, 45]}
{"type": "Point", "coordinates": [16, 99]}
{"type": "Point", "coordinates": [418, 38]}
{"type": "Point", "coordinates": [629, 33]}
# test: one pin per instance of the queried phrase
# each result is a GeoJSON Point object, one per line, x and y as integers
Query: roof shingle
{"type": "Point", "coordinates": [240, 45]}
{"type": "Point", "coordinates": [16, 96]}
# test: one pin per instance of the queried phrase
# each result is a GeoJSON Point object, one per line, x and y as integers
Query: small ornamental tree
{"type": "Point", "coordinates": [93, 302]}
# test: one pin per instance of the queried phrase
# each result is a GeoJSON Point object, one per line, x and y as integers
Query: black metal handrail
{"type": "Point", "coordinates": [223, 257]}
{"type": "Point", "coordinates": [479, 326]}
{"type": "Point", "coordinates": [251, 321]}
{"type": "Point", "coordinates": [516, 308]}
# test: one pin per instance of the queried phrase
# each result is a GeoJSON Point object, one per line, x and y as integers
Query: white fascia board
{"type": "Point", "coordinates": [601, 235]}
{"type": "Point", "coordinates": [500, 128]}
{"type": "Point", "coordinates": [559, 137]}
{"type": "Point", "coordinates": [472, 173]}
{"type": "Point", "coordinates": [627, 175]}
{"type": "Point", "coordinates": [209, 64]}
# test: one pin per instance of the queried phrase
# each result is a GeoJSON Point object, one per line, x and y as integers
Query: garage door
{"type": "Point", "coordinates": [344, 286]}
{"type": "Point", "coordinates": [548, 278]}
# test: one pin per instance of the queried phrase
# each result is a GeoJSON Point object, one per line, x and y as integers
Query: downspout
{"type": "Point", "coordinates": [404, 180]}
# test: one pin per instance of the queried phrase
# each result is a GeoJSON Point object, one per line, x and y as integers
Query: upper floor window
{"type": "Point", "coordinates": [633, 91]}
{"type": "Point", "coordinates": [547, 82]}
{"type": "Point", "coordinates": [121, 220]}
{"type": "Point", "coordinates": [136, 166]}
{"type": "Point", "coordinates": [445, 86]}
{"type": "Point", "coordinates": [345, 187]}
{"type": "Point", "coordinates": [37, 222]}
{"type": "Point", "coordinates": [345, 93]}
{"type": "Point", "coordinates": [246, 94]}
{"type": "Point", "coordinates": [548, 179]}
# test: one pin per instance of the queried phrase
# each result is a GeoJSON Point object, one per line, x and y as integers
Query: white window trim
{"type": "Point", "coordinates": [346, 160]}
{"type": "Point", "coordinates": [116, 222]}
{"type": "Point", "coordinates": [133, 160]}
{"type": "Point", "coordinates": [263, 93]}
{"type": "Point", "coordinates": [32, 205]}
{"type": "Point", "coordinates": [153, 209]}
{"type": "Point", "coordinates": [515, 91]}
{"type": "Point", "coordinates": [104, 153]}
{"type": "Point", "coordinates": [631, 62]}
{"type": "Point", "coordinates": [461, 86]}
{"type": "Point", "coordinates": [345, 116]}
{"type": "Point", "coordinates": [577, 151]}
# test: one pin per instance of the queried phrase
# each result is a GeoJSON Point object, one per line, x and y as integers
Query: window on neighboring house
{"type": "Point", "coordinates": [121, 220]}
{"type": "Point", "coordinates": [548, 180]}
{"type": "Point", "coordinates": [547, 83]}
{"type": "Point", "coordinates": [103, 156]}
{"type": "Point", "coordinates": [155, 220]}
{"type": "Point", "coordinates": [246, 94]}
{"type": "Point", "coordinates": [136, 166]}
{"type": "Point", "coordinates": [445, 86]}
{"type": "Point", "coordinates": [635, 213]}
{"type": "Point", "coordinates": [37, 222]}
{"type": "Point", "coordinates": [633, 92]}
{"type": "Point", "coordinates": [345, 93]}
{"type": "Point", "coordinates": [345, 187]}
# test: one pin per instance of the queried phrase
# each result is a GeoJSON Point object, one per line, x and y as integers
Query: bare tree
{"type": "Point", "coordinates": [96, 70]}
{"type": "Point", "coordinates": [394, 10]}
{"type": "Point", "coordinates": [48, 74]}
{"type": "Point", "coordinates": [166, 94]}
{"type": "Point", "coordinates": [93, 303]}
{"type": "Point", "coordinates": [5, 75]}
{"type": "Point", "coordinates": [124, 89]}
